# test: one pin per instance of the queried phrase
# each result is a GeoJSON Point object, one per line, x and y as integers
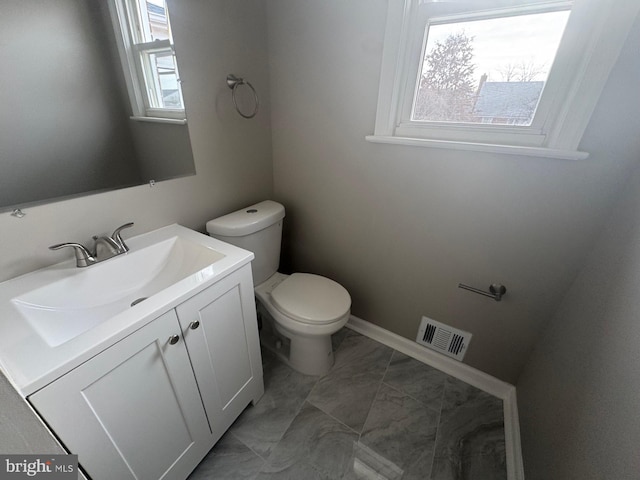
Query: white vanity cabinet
{"type": "Point", "coordinates": [132, 411]}
{"type": "Point", "coordinates": [153, 404]}
{"type": "Point", "coordinates": [221, 333]}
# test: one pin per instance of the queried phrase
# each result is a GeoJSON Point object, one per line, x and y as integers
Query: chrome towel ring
{"type": "Point", "coordinates": [233, 83]}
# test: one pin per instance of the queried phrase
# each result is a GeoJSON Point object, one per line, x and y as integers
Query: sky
{"type": "Point", "coordinates": [530, 38]}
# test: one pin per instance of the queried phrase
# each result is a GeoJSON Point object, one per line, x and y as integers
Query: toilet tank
{"type": "Point", "coordinates": [257, 228]}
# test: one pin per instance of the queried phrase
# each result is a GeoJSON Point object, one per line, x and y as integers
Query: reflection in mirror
{"type": "Point", "coordinates": [65, 126]}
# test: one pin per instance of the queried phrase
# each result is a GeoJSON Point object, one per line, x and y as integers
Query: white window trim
{"type": "Point", "coordinates": [599, 27]}
{"type": "Point", "coordinates": [172, 121]}
{"type": "Point", "coordinates": [127, 52]}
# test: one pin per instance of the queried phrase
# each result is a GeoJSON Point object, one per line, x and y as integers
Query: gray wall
{"type": "Point", "coordinates": [578, 394]}
{"type": "Point", "coordinates": [61, 128]}
{"type": "Point", "coordinates": [401, 226]}
{"type": "Point", "coordinates": [232, 156]}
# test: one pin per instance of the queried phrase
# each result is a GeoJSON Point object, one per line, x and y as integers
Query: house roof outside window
{"type": "Point", "coordinates": [512, 103]}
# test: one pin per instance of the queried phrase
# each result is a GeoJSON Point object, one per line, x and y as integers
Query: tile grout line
{"type": "Point", "coordinates": [435, 438]}
{"type": "Point", "coordinates": [306, 399]}
{"type": "Point", "coordinates": [264, 461]}
{"type": "Point", "coordinates": [374, 397]}
{"type": "Point", "coordinates": [408, 395]}
{"type": "Point", "coordinates": [386, 369]}
{"type": "Point", "coordinates": [333, 418]}
{"type": "Point", "coordinates": [267, 460]}
{"type": "Point", "coordinates": [252, 450]}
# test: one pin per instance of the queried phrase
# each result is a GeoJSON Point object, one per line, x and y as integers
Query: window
{"type": "Point", "coordinates": [511, 76]}
{"type": "Point", "coordinates": [148, 59]}
{"type": "Point", "coordinates": [486, 70]}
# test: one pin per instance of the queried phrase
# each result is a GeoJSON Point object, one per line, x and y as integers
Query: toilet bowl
{"type": "Point", "coordinates": [305, 309]}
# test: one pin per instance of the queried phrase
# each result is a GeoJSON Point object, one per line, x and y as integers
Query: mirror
{"type": "Point", "coordinates": [65, 126]}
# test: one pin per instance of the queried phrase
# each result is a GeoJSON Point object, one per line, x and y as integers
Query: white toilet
{"type": "Point", "coordinates": [307, 309]}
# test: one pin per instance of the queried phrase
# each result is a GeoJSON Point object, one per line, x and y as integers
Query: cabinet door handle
{"type": "Point", "coordinates": [173, 339]}
{"type": "Point", "coordinates": [195, 324]}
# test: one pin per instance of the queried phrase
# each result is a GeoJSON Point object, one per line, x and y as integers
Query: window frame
{"type": "Point", "coordinates": [131, 50]}
{"type": "Point", "coordinates": [568, 99]}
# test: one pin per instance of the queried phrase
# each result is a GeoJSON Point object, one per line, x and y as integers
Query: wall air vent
{"type": "Point", "coordinates": [443, 338]}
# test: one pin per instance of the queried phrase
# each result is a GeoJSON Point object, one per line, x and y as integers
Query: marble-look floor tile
{"type": "Point", "coordinates": [482, 467]}
{"type": "Point", "coordinates": [348, 390]}
{"type": "Point", "coordinates": [470, 434]}
{"type": "Point", "coordinates": [338, 337]}
{"type": "Point", "coordinates": [229, 459]}
{"type": "Point", "coordinates": [296, 471]}
{"type": "Point", "coordinates": [403, 431]}
{"type": "Point", "coordinates": [415, 423]}
{"type": "Point", "coordinates": [262, 425]}
{"type": "Point", "coordinates": [422, 382]}
{"type": "Point", "coordinates": [315, 446]}
{"type": "Point", "coordinates": [472, 421]}
{"type": "Point", "coordinates": [367, 464]}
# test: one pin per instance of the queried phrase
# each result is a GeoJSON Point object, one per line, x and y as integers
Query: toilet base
{"type": "Point", "coordinates": [308, 355]}
{"type": "Point", "coordinates": [311, 355]}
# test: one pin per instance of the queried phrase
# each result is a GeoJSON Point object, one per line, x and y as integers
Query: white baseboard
{"type": "Point", "coordinates": [505, 391]}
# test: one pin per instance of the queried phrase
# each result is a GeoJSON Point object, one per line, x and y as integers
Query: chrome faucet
{"type": "Point", "coordinates": [115, 236]}
{"type": "Point", "coordinates": [112, 246]}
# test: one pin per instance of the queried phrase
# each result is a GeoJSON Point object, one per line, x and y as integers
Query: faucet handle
{"type": "Point", "coordinates": [83, 256]}
{"type": "Point", "coordinates": [118, 239]}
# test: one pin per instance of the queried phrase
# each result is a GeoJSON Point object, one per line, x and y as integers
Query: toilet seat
{"type": "Point", "coordinates": [311, 299]}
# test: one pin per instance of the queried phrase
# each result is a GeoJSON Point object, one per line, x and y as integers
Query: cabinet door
{"type": "Point", "coordinates": [133, 411]}
{"type": "Point", "coordinates": [224, 347]}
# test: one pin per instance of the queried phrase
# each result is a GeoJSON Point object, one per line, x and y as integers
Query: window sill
{"type": "Point", "coordinates": [172, 121]}
{"type": "Point", "coordinates": [480, 147]}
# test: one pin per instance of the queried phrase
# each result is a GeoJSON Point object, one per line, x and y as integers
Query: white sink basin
{"type": "Point", "coordinates": [53, 319]}
{"type": "Point", "coordinates": [68, 307]}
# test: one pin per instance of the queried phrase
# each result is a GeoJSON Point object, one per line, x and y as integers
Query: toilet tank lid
{"type": "Point", "coordinates": [247, 220]}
